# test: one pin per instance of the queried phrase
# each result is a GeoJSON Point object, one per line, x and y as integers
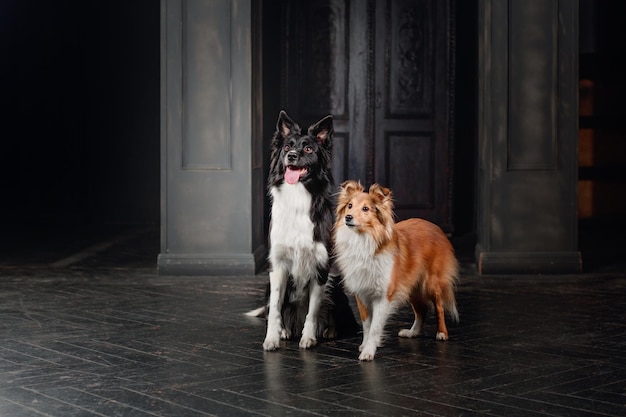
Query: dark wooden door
{"type": "Point", "coordinates": [384, 70]}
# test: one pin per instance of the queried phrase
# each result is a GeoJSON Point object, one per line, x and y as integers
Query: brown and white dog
{"type": "Point", "coordinates": [385, 263]}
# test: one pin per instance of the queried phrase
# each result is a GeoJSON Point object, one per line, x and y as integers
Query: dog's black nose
{"type": "Point", "coordinates": [349, 218]}
{"type": "Point", "coordinates": [292, 156]}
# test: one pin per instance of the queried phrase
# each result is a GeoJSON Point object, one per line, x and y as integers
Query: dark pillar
{"type": "Point", "coordinates": [210, 215]}
{"type": "Point", "coordinates": [528, 135]}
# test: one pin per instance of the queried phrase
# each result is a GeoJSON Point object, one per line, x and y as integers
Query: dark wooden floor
{"type": "Point", "coordinates": [96, 332]}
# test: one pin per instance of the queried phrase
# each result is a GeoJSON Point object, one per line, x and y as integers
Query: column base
{"type": "Point", "coordinates": [212, 265]}
{"type": "Point", "coordinates": [489, 263]}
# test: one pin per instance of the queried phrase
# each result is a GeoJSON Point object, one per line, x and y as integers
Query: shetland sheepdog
{"type": "Point", "coordinates": [305, 298]}
{"type": "Point", "coordinates": [385, 264]}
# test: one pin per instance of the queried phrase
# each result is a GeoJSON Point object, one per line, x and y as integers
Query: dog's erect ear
{"type": "Point", "coordinates": [322, 130]}
{"type": "Point", "coordinates": [350, 187]}
{"type": "Point", "coordinates": [382, 194]}
{"type": "Point", "coordinates": [346, 190]}
{"type": "Point", "coordinates": [384, 207]}
{"type": "Point", "coordinates": [285, 126]}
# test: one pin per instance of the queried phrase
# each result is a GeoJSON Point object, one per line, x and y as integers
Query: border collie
{"type": "Point", "coordinates": [305, 299]}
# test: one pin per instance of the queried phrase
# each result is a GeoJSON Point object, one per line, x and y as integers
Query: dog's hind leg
{"type": "Point", "coordinates": [420, 308]}
{"type": "Point", "coordinates": [275, 329]}
{"type": "Point", "coordinates": [316, 294]}
{"type": "Point", "coordinates": [442, 330]}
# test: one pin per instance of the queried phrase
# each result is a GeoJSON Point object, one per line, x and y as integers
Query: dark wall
{"type": "Point", "coordinates": [466, 102]}
{"type": "Point", "coordinates": [79, 106]}
{"type": "Point", "coordinates": [272, 100]}
{"type": "Point", "coordinates": [602, 143]}
{"type": "Point", "coordinates": [80, 112]}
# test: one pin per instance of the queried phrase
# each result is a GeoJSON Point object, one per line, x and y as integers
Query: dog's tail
{"type": "Point", "coordinates": [450, 282]}
{"type": "Point", "coordinates": [261, 311]}
{"type": "Point", "coordinates": [257, 312]}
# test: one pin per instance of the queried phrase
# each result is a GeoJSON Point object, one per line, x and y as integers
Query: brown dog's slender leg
{"type": "Point", "coordinates": [442, 330]}
{"type": "Point", "coordinates": [365, 320]}
{"type": "Point", "coordinates": [362, 309]}
{"type": "Point", "coordinates": [420, 308]}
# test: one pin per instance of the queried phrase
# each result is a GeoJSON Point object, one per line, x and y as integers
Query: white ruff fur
{"type": "Point", "coordinates": [366, 275]}
{"type": "Point", "coordinates": [293, 252]}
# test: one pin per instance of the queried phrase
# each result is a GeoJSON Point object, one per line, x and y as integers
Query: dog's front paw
{"type": "Point", "coordinates": [408, 333]}
{"type": "Point", "coordinates": [442, 336]}
{"type": "Point", "coordinates": [367, 355]}
{"type": "Point", "coordinates": [271, 343]}
{"type": "Point", "coordinates": [307, 342]}
{"type": "Point", "coordinates": [368, 350]}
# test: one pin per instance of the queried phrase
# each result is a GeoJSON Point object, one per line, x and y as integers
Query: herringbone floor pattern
{"type": "Point", "coordinates": [107, 337]}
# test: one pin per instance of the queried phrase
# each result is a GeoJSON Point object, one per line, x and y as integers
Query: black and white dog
{"type": "Point", "coordinates": [305, 299]}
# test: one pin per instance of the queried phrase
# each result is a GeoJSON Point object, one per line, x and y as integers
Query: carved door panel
{"type": "Point", "coordinates": [325, 58]}
{"type": "Point", "coordinates": [412, 121]}
{"type": "Point", "coordinates": [383, 70]}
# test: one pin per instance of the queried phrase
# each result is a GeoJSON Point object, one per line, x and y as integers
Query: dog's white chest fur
{"type": "Point", "coordinates": [291, 234]}
{"type": "Point", "coordinates": [365, 273]}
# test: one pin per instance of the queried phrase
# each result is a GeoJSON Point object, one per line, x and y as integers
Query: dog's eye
{"type": "Point", "coordinates": [365, 208]}
{"type": "Point", "coordinates": [287, 148]}
{"type": "Point", "coordinates": [349, 205]}
{"type": "Point", "coordinates": [308, 149]}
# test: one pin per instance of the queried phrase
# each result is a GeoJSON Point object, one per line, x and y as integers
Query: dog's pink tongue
{"type": "Point", "coordinates": [292, 175]}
